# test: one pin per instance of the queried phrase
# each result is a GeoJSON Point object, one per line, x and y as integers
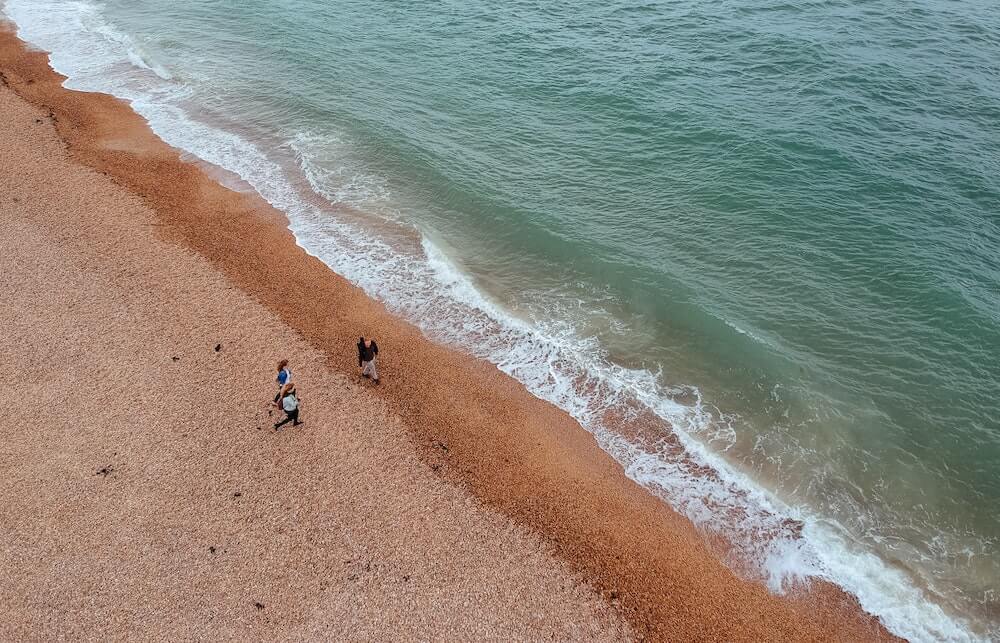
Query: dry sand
{"type": "Point", "coordinates": [145, 494]}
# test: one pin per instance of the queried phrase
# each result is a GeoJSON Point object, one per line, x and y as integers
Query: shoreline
{"type": "Point", "coordinates": [472, 424]}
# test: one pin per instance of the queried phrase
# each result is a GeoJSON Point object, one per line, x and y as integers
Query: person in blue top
{"type": "Point", "coordinates": [284, 380]}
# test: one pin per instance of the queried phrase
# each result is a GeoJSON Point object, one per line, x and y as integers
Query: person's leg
{"type": "Point", "coordinates": [369, 370]}
{"type": "Point", "coordinates": [295, 417]}
{"type": "Point", "coordinates": [288, 418]}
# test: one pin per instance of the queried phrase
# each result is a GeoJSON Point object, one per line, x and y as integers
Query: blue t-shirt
{"type": "Point", "coordinates": [284, 375]}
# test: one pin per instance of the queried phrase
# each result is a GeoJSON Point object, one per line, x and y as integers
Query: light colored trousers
{"type": "Point", "coordinates": [368, 368]}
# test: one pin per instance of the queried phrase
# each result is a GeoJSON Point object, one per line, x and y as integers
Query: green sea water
{"type": "Point", "coordinates": [775, 224]}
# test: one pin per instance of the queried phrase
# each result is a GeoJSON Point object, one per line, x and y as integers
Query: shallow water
{"type": "Point", "coordinates": [767, 232]}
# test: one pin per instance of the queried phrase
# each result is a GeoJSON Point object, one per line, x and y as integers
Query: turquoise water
{"type": "Point", "coordinates": [766, 234]}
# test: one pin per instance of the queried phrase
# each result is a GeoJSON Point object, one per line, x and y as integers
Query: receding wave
{"type": "Point", "coordinates": [667, 438]}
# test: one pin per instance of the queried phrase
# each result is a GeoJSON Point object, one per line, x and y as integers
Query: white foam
{"type": "Point", "coordinates": [551, 358]}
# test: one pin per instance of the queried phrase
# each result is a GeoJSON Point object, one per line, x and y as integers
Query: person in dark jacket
{"type": "Point", "coordinates": [367, 350]}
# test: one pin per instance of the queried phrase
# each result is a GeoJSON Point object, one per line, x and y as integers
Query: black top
{"type": "Point", "coordinates": [366, 353]}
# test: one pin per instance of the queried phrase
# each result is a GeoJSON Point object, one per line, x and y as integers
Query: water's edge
{"type": "Point", "coordinates": [553, 362]}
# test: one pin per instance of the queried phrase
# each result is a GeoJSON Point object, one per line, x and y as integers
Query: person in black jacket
{"type": "Point", "coordinates": [367, 350]}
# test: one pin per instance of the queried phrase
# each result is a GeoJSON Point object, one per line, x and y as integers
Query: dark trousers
{"type": "Point", "coordinates": [291, 416]}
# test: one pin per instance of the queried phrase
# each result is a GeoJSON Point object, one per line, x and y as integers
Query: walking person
{"type": "Point", "coordinates": [284, 380]}
{"type": "Point", "coordinates": [290, 404]}
{"type": "Point", "coordinates": [367, 350]}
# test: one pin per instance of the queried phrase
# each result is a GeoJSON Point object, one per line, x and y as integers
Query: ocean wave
{"type": "Point", "coordinates": [780, 544]}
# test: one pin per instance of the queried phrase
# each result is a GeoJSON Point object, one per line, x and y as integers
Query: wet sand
{"type": "Point", "coordinates": [147, 494]}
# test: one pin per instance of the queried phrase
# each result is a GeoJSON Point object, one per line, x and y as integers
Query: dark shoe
{"type": "Point", "coordinates": [375, 380]}
{"type": "Point", "coordinates": [296, 423]}
{"type": "Point", "coordinates": [276, 426]}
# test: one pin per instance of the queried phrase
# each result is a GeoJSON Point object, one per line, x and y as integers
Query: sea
{"type": "Point", "coordinates": [753, 246]}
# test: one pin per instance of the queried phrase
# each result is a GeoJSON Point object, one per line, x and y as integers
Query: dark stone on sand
{"type": "Point", "coordinates": [175, 358]}
{"type": "Point", "coordinates": [211, 549]}
{"type": "Point", "coordinates": [237, 494]}
{"type": "Point", "coordinates": [106, 471]}
{"type": "Point", "coordinates": [259, 606]}
{"type": "Point", "coordinates": [218, 347]}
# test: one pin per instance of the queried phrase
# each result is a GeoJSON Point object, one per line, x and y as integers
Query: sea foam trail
{"type": "Point", "coordinates": [551, 359]}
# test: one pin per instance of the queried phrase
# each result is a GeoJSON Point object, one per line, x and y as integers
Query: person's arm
{"type": "Point", "coordinates": [374, 348]}
{"type": "Point", "coordinates": [361, 348]}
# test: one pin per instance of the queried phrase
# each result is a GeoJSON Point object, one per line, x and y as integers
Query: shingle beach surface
{"type": "Point", "coordinates": [145, 491]}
